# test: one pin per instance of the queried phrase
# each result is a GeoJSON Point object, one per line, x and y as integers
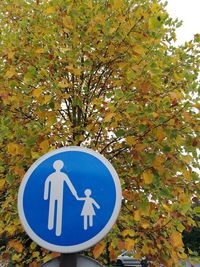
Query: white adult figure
{"type": "Point", "coordinates": [56, 182]}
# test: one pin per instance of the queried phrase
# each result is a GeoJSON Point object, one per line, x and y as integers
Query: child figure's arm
{"type": "Point", "coordinates": [96, 204]}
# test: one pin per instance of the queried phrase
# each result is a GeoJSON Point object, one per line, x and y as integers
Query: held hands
{"type": "Point", "coordinates": [77, 197]}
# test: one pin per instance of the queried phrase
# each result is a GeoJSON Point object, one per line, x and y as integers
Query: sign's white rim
{"type": "Point", "coordinates": [95, 239]}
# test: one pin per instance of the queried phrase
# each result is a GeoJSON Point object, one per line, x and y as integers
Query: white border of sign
{"type": "Point", "coordinates": [90, 242]}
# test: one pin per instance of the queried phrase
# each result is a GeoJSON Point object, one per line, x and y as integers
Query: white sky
{"type": "Point", "coordinates": [189, 12]}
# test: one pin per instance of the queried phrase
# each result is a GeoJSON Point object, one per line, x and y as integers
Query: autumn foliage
{"type": "Point", "coordinates": [102, 74]}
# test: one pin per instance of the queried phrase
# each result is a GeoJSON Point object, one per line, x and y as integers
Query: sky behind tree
{"type": "Point", "coordinates": [188, 12]}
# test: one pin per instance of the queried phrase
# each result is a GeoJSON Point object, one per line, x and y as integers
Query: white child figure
{"type": "Point", "coordinates": [88, 209]}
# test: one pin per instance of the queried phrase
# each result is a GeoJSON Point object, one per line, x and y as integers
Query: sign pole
{"type": "Point", "coordinates": [68, 260]}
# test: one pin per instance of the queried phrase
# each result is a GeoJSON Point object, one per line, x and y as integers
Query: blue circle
{"type": "Point", "coordinates": [85, 171]}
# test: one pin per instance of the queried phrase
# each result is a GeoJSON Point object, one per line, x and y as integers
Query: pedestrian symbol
{"type": "Point", "coordinates": [69, 199]}
{"type": "Point", "coordinates": [56, 182]}
{"type": "Point", "coordinates": [88, 209]}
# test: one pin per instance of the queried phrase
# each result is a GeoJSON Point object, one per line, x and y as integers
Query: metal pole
{"type": "Point", "coordinates": [68, 260]}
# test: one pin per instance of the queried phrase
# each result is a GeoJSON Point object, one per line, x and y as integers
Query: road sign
{"type": "Point", "coordinates": [69, 199]}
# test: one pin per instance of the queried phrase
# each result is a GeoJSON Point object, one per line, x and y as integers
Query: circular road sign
{"type": "Point", "coordinates": [69, 199]}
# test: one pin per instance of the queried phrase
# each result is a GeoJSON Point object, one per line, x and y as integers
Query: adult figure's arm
{"type": "Point", "coordinates": [71, 187]}
{"type": "Point", "coordinates": [46, 189]}
{"type": "Point", "coordinates": [81, 198]}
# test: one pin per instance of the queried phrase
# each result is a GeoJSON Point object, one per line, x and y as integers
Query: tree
{"type": "Point", "coordinates": [102, 74]}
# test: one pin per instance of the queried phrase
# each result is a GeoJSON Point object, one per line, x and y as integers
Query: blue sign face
{"type": "Point", "coordinates": [69, 199]}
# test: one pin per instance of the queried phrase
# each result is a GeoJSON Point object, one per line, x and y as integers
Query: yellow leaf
{"type": "Point", "coordinates": [117, 4]}
{"type": "Point", "coordinates": [112, 253]}
{"type": "Point", "coordinates": [18, 170]}
{"type": "Point", "coordinates": [155, 115]}
{"type": "Point", "coordinates": [39, 50]}
{"type": "Point", "coordinates": [63, 85]}
{"type": "Point", "coordinates": [11, 55]}
{"type": "Point", "coordinates": [13, 149]}
{"type": "Point", "coordinates": [158, 163]}
{"type": "Point", "coordinates": [184, 198]}
{"type": "Point", "coordinates": [98, 249]}
{"type": "Point", "coordinates": [167, 207]}
{"type": "Point", "coordinates": [47, 98]}
{"type": "Point", "coordinates": [108, 117]}
{"type": "Point", "coordinates": [183, 256]}
{"type": "Point", "coordinates": [35, 254]}
{"type": "Point", "coordinates": [145, 249]}
{"type": "Point", "coordinates": [137, 215]}
{"type": "Point", "coordinates": [187, 116]}
{"type": "Point", "coordinates": [90, 4]}
{"type": "Point", "coordinates": [2, 183]}
{"type": "Point", "coordinates": [160, 134]}
{"type": "Point", "coordinates": [176, 239]}
{"type": "Point", "coordinates": [187, 175]}
{"type": "Point", "coordinates": [47, 258]}
{"type": "Point", "coordinates": [155, 7]}
{"type": "Point", "coordinates": [57, 105]}
{"type": "Point", "coordinates": [74, 70]}
{"type": "Point", "coordinates": [140, 147]}
{"type": "Point", "coordinates": [17, 221]}
{"type": "Point", "coordinates": [180, 227]}
{"type": "Point", "coordinates": [175, 95]}
{"type": "Point", "coordinates": [130, 140]}
{"type": "Point", "coordinates": [177, 76]}
{"type": "Point", "coordinates": [67, 22]}
{"type": "Point", "coordinates": [11, 229]}
{"type": "Point", "coordinates": [154, 23]}
{"type": "Point", "coordinates": [139, 50]}
{"type": "Point", "coordinates": [96, 101]}
{"type": "Point", "coordinates": [128, 232]}
{"type": "Point", "coordinates": [112, 30]}
{"type": "Point", "coordinates": [148, 177]}
{"type": "Point", "coordinates": [187, 158]}
{"type": "Point", "coordinates": [16, 257]}
{"type": "Point", "coordinates": [137, 256]}
{"type": "Point", "coordinates": [35, 155]}
{"type": "Point", "coordinates": [89, 127]}
{"type": "Point", "coordinates": [33, 245]}
{"type": "Point", "coordinates": [171, 122]}
{"type": "Point", "coordinates": [50, 10]}
{"type": "Point", "coordinates": [16, 245]}
{"type": "Point", "coordinates": [118, 117]}
{"type": "Point", "coordinates": [179, 140]}
{"type": "Point", "coordinates": [37, 92]}
{"type": "Point", "coordinates": [10, 73]}
{"type": "Point", "coordinates": [44, 146]}
{"type": "Point", "coordinates": [145, 225]}
{"type": "Point", "coordinates": [129, 244]}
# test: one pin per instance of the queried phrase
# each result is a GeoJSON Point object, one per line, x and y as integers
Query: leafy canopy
{"type": "Point", "coordinates": [102, 74]}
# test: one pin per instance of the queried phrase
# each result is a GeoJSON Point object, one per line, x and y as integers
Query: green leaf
{"type": "Point", "coordinates": [120, 133]}
{"type": "Point", "coordinates": [155, 23]}
{"type": "Point", "coordinates": [131, 108]}
{"type": "Point", "coordinates": [52, 105]}
{"type": "Point", "coordinates": [9, 178]}
{"type": "Point", "coordinates": [119, 93]}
